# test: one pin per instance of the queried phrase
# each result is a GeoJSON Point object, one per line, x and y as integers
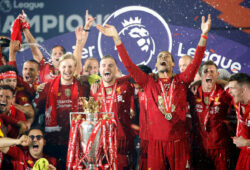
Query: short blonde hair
{"type": "Point", "coordinates": [67, 56]}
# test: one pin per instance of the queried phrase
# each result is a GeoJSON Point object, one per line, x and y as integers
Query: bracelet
{"type": "Point", "coordinates": [204, 36]}
{"type": "Point", "coordinates": [86, 30]}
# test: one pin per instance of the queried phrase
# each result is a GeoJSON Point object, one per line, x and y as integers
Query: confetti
{"type": "Point", "coordinates": [195, 18]}
{"type": "Point", "coordinates": [211, 50]}
{"type": "Point", "coordinates": [234, 70]}
{"type": "Point", "coordinates": [212, 36]}
{"type": "Point", "coordinates": [176, 34]}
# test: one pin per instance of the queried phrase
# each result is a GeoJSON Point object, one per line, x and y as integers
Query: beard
{"type": "Point", "coordinates": [164, 70]}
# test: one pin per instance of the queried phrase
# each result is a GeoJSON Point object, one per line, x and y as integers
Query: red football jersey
{"type": "Point", "coordinates": [243, 122]}
{"type": "Point", "coordinates": [143, 115]}
{"type": "Point", "coordinates": [63, 109]}
{"type": "Point", "coordinates": [159, 127]}
{"type": "Point", "coordinates": [121, 106]}
{"type": "Point", "coordinates": [209, 117]}
{"type": "Point", "coordinates": [23, 160]}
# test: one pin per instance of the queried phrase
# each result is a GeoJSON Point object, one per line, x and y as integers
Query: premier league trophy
{"type": "Point", "coordinates": [92, 139]}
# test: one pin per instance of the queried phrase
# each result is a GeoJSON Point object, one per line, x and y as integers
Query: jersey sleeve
{"type": "Point", "coordinates": [40, 99]}
{"type": "Point", "coordinates": [139, 76]}
{"type": "Point", "coordinates": [188, 75]}
{"type": "Point", "coordinates": [15, 153]}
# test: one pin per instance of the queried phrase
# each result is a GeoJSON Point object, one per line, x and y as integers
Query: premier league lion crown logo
{"type": "Point", "coordinates": [143, 32]}
{"type": "Point", "coordinates": [134, 29]}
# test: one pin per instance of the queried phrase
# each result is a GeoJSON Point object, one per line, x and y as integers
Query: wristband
{"type": "Point", "coordinates": [204, 36]}
{"type": "Point", "coordinates": [86, 30]}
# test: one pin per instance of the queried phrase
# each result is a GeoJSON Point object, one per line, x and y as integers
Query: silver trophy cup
{"type": "Point", "coordinates": [86, 128]}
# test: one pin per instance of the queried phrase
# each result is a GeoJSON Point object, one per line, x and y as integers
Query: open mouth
{"type": "Point", "coordinates": [35, 147]}
{"type": "Point", "coordinates": [163, 63]}
{"type": "Point", "coordinates": [28, 78]}
{"type": "Point", "coordinates": [2, 104]}
{"type": "Point", "coordinates": [209, 80]}
{"type": "Point", "coordinates": [107, 74]}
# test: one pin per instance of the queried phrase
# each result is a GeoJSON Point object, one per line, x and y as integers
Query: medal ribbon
{"type": "Point", "coordinates": [238, 120]}
{"type": "Point", "coordinates": [112, 97]}
{"type": "Point", "coordinates": [211, 98]}
{"type": "Point", "coordinates": [168, 101]}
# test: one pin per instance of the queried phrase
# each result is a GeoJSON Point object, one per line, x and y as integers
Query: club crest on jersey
{"type": "Point", "coordinates": [216, 101]}
{"type": "Point", "coordinates": [198, 100]}
{"type": "Point", "coordinates": [135, 25]}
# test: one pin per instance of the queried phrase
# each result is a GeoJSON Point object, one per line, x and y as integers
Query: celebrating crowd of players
{"type": "Point", "coordinates": [190, 120]}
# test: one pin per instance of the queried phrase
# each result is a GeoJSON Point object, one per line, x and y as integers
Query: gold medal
{"type": "Point", "coordinates": [67, 92]}
{"type": "Point", "coordinates": [168, 116]}
{"type": "Point", "coordinates": [206, 100]}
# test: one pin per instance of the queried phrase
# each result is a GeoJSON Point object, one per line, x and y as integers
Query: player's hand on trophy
{"type": "Point", "coordinates": [240, 141]}
{"type": "Point", "coordinates": [206, 25]}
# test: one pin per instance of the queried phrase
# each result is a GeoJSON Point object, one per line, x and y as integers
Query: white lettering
{"type": "Point", "coordinates": [49, 22]}
{"type": "Point", "coordinates": [8, 22]}
{"type": "Point", "coordinates": [72, 18]}
{"type": "Point", "coordinates": [191, 51]}
{"type": "Point", "coordinates": [35, 23]}
{"type": "Point", "coordinates": [45, 23]}
{"type": "Point", "coordinates": [86, 52]}
{"type": "Point", "coordinates": [236, 67]}
{"type": "Point", "coordinates": [228, 63]}
{"type": "Point", "coordinates": [61, 23]}
{"type": "Point", "coordinates": [28, 5]}
{"type": "Point", "coordinates": [219, 60]}
{"type": "Point", "coordinates": [218, 57]}
{"type": "Point", "coordinates": [179, 50]}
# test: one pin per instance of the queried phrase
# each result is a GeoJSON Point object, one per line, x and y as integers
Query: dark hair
{"type": "Point", "coordinates": [35, 127]}
{"type": "Point", "coordinates": [5, 57]}
{"type": "Point", "coordinates": [35, 62]}
{"type": "Point", "coordinates": [63, 49]}
{"type": "Point", "coordinates": [166, 54]}
{"type": "Point", "coordinates": [5, 68]}
{"type": "Point", "coordinates": [109, 56]}
{"type": "Point", "coordinates": [7, 87]}
{"type": "Point", "coordinates": [143, 68]}
{"type": "Point", "coordinates": [207, 63]}
{"type": "Point", "coordinates": [241, 78]}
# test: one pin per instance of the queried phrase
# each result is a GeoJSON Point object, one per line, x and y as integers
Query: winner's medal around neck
{"type": "Point", "coordinates": [168, 107]}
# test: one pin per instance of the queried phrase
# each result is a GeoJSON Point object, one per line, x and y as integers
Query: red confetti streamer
{"type": "Point", "coordinates": [195, 18]}
{"type": "Point", "coordinates": [211, 50]}
{"type": "Point", "coordinates": [176, 34]}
